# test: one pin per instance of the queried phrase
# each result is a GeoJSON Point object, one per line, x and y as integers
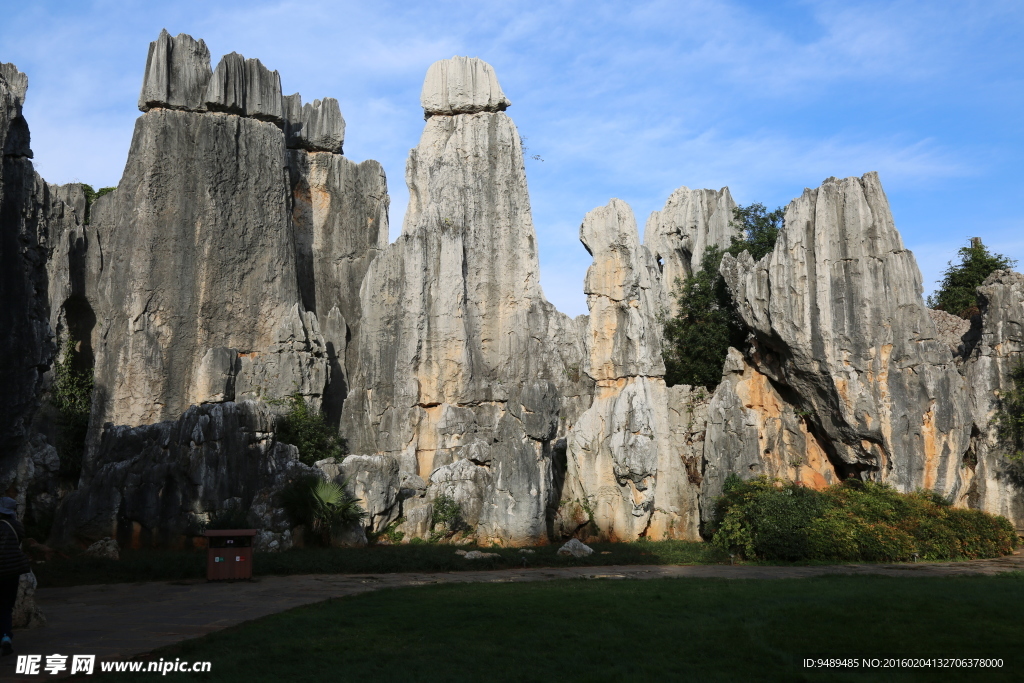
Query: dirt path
{"type": "Point", "coordinates": [120, 621]}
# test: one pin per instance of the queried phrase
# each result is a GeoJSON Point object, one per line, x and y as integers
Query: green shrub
{"type": "Point", "coordinates": [697, 339]}
{"type": "Point", "coordinates": [389, 535]}
{"type": "Point", "coordinates": [322, 506]}
{"type": "Point", "coordinates": [446, 518]}
{"type": "Point", "coordinates": [307, 430]}
{"type": "Point", "coordinates": [957, 289]}
{"type": "Point", "coordinates": [773, 520]}
{"type": "Point", "coordinates": [71, 395]}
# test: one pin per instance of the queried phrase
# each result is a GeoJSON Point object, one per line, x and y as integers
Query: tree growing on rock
{"type": "Point", "coordinates": [957, 293]}
{"type": "Point", "coordinates": [698, 338]}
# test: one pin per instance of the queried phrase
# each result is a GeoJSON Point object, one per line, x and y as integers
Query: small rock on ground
{"type": "Point", "coordinates": [575, 548]}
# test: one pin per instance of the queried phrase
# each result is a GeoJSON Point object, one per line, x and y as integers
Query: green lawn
{"type": "Point", "coordinates": [627, 630]}
{"type": "Point", "coordinates": [167, 565]}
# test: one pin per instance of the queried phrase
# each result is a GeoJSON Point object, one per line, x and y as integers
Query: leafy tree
{"type": "Point", "coordinates": [71, 395]}
{"type": "Point", "coordinates": [957, 293]}
{"type": "Point", "coordinates": [698, 338]}
{"type": "Point", "coordinates": [307, 430]}
{"type": "Point", "coordinates": [759, 230]}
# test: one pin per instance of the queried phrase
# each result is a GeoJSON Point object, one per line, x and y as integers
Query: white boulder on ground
{"type": "Point", "coordinates": [576, 548]}
{"type": "Point", "coordinates": [106, 547]}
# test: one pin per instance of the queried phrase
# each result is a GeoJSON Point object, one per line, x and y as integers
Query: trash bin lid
{"type": "Point", "coordinates": [230, 532]}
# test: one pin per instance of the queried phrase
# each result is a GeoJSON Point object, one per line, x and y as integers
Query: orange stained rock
{"type": "Point", "coordinates": [930, 444]}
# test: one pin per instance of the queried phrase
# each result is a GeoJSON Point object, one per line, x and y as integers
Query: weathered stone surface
{"type": "Point", "coordinates": [339, 214]}
{"type": "Point", "coordinates": [622, 288]}
{"type": "Point", "coordinates": [13, 128]}
{"type": "Point", "coordinates": [32, 218]}
{"type": "Point", "coordinates": [198, 282]}
{"type": "Point", "coordinates": [462, 85]}
{"type": "Point", "coordinates": [752, 431]}
{"type": "Point", "coordinates": [245, 87]}
{"type": "Point", "coordinates": [105, 547]}
{"type": "Point", "coordinates": [838, 319]}
{"type": "Point", "coordinates": [678, 235]}
{"type": "Point", "coordinates": [621, 465]}
{"type": "Point", "coordinates": [177, 73]}
{"type": "Point", "coordinates": [995, 348]}
{"type": "Point", "coordinates": [371, 479]}
{"type": "Point", "coordinates": [153, 484]}
{"type": "Point", "coordinates": [314, 127]}
{"type": "Point", "coordinates": [25, 351]}
{"type": "Point", "coordinates": [575, 548]}
{"type": "Point", "coordinates": [951, 329]}
{"type": "Point", "coordinates": [463, 369]}
{"type": "Point", "coordinates": [323, 127]}
{"type": "Point", "coordinates": [180, 278]}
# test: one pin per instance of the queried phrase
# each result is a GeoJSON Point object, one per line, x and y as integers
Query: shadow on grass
{"type": "Point", "coordinates": [652, 630]}
{"type": "Point", "coordinates": [169, 565]}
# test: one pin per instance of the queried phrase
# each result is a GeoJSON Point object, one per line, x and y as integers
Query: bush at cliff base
{"type": "Point", "coordinates": [765, 519]}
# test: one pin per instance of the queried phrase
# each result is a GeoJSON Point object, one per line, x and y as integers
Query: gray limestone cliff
{"type": "Point", "coordinates": [223, 270]}
{"type": "Point", "coordinates": [34, 219]}
{"type": "Point", "coordinates": [243, 259]}
{"type": "Point", "coordinates": [996, 348]}
{"type": "Point", "coordinates": [464, 373]}
{"type": "Point", "coordinates": [839, 327]}
{"type": "Point", "coordinates": [626, 464]}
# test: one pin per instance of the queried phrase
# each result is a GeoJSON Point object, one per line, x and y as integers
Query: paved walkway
{"type": "Point", "coordinates": [121, 621]}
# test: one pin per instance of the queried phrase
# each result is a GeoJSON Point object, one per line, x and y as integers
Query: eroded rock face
{"type": "Point", "coordinates": [152, 485]}
{"type": "Point", "coordinates": [33, 218]}
{"type": "Point", "coordinates": [226, 265]}
{"type": "Point", "coordinates": [215, 272]}
{"type": "Point", "coordinates": [340, 220]}
{"type": "Point", "coordinates": [679, 234]}
{"type": "Point", "coordinates": [26, 349]}
{"type": "Point", "coordinates": [623, 468]}
{"type": "Point", "coordinates": [996, 348]}
{"type": "Point", "coordinates": [177, 73]}
{"type": "Point", "coordinates": [464, 372]}
{"type": "Point", "coordinates": [462, 85]}
{"type": "Point", "coordinates": [838, 319]}
{"type": "Point", "coordinates": [753, 430]}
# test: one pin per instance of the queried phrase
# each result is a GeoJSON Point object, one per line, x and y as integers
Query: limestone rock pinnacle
{"type": "Point", "coordinates": [462, 85]}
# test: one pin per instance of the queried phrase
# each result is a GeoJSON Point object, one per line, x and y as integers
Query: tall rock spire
{"type": "Point", "coordinates": [623, 464]}
{"type": "Point", "coordinates": [464, 369]}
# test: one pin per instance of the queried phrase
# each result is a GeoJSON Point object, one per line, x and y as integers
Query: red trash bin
{"type": "Point", "coordinates": [230, 554]}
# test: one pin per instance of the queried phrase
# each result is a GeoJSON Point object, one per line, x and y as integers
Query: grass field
{"type": "Point", "coordinates": [167, 565]}
{"type": "Point", "coordinates": [625, 630]}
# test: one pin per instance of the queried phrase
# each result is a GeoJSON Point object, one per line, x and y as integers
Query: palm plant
{"type": "Point", "coordinates": [321, 505]}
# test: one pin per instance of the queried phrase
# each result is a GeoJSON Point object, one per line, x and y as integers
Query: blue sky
{"type": "Point", "coordinates": [628, 100]}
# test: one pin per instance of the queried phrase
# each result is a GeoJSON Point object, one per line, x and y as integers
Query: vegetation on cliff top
{"type": "Point", "coordinates": [855, 520]}
{"type": "Point", "coordinates": [697, 339]}
{"type": "Point", "coordinates": [91, 196]}
{"type": "Point", "coordinates": [956, 292]}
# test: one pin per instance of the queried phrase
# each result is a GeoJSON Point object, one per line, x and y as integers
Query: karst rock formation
{"type": "Point", "coordinates": [243, 261]}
